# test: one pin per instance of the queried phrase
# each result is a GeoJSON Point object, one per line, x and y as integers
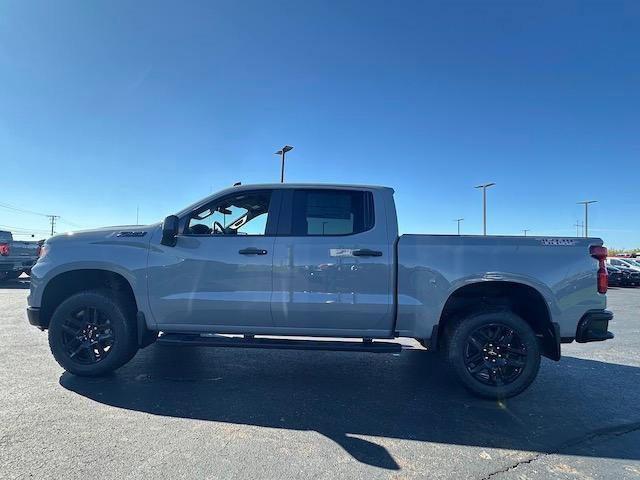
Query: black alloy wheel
{"type": "Point", "coordinates": [495, 354]}
{"type": "Point", "coordinates": [87, 335]}
{"type": "Point", "coordinates": [93, 332]}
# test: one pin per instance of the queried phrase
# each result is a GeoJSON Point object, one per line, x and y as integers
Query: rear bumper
{"type": "Point", "coordinates": [594, 326]}
{"type": "Point", "coordinates": [33, 314]}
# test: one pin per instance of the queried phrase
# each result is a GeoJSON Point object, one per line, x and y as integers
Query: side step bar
{"type": "Point", "coordinates": [278, 343]}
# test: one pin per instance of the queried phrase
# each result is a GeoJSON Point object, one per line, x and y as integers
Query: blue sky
{"type": "Point", "coordinates": [105, 106]}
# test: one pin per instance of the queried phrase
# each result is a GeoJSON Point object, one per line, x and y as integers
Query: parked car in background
{"type": "Point", "coordinates": [616, 277]}
{"type": "Point", "coordinates": [634, 263]}
{"type": "Point", "coordinates": [630, 277]}
{"type": "Point", "coordinates": [623, 262]}
{"type": "Point", "coordinates": [16, 257]}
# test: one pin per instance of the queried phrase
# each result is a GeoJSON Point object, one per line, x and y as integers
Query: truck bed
{"type": "Point", "coordinates": [432, 267]}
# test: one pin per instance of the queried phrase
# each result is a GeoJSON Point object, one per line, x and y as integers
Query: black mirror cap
{"type": "Point", "coordinates": [170, 231]}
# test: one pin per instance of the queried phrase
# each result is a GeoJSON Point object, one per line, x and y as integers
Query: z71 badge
{"type": "Point", "coordinates": [567, 242]}
{"type": "Point", "coordinates": [131, 234]}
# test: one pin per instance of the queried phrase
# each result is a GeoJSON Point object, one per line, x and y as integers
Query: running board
{"type": "Point", "coordinates": [278, 343]}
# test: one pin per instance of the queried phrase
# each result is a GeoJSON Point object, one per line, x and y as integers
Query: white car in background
{"type": "Point", "coordinates": [624, 262]}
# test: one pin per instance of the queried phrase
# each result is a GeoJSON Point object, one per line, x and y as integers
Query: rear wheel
{"type": "Point", "coordinates": [494, 354]}
{"type": "Point", "coordinates": [91, 333]}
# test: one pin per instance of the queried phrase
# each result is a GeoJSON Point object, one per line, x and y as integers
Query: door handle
{"type": "Point", "coordinates": [365, 252]}
{"type": "Point", "coordinates": [252, 251]}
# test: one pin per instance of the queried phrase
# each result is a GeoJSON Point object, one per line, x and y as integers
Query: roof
{"type": "Point", "coordinates": [311, 185]}
{"type": "Point", "coordinates": [261, 186]}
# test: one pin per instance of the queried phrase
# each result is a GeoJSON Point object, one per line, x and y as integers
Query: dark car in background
{"type": "Point", "coordinates": [616, 277]}
{"type": "Point", "coordinates": [630, 277]}
{"type": "Point", "coordinates": [16, 257]}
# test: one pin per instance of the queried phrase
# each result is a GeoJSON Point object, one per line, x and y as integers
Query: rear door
{"type": "Point", "coordinates": [332, 264]}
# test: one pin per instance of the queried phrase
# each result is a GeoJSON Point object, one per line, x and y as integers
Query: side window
{"type": "Point", "coordinates": [331, 212]}
{"type": "Point", "coordinates": [245, 213]}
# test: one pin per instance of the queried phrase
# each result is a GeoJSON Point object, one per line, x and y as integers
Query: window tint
{"type": "Point", "coordinates": [331, 212]}
{"type": "Point", "coordinates": [242, 214]}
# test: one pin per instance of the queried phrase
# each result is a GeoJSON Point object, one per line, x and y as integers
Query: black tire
{"type": "Point", "coordinates": [509, 354]}
{"type": "Point", "coordinates": [105, 338]}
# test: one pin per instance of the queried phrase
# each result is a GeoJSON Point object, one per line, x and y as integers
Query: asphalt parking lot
{"type": "Point", "coordinates": [228, 413]}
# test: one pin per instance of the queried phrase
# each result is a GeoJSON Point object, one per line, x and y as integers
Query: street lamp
{"type": "Point", "coordinates": [586, 204]}
{"type": "Point", "coordinates": [484, 187]}
{"type": "Point", "coordinates": [282, 152]}
{"type": "Point", "coordinates": [458, 220]}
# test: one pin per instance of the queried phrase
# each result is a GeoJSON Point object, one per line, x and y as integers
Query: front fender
{"type": "Point", "coordinates": [127, 258]}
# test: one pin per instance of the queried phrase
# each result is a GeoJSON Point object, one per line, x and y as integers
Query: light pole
{"type": "Point", "coordinates": [586, 204]}
{"type": "Point", "coordinates": [484, 187]}
{"type": "Point", "coordinates": [525, 231]}
{"type": "Point", "coordinates": [282, 152]}
{"type": "Point", "coordinates": [458, 220]}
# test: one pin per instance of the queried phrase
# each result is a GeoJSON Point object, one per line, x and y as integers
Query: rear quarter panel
{"type": "Point", "coordinates": [432, 267]}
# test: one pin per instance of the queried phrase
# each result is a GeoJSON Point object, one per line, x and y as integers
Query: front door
{"type": "Point", "coordinates": [218, 277]}
{"type": "Point", "coordinates": [333, 269]}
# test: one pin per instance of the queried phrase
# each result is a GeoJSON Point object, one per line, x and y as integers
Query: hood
{"type": "Point", "coordinates": [117, 233]}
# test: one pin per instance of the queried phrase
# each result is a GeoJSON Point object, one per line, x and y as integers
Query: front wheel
{"type": "Point", "coordinates": [494, 354]}
{"type": "Point", "coordinates": [91, 333]}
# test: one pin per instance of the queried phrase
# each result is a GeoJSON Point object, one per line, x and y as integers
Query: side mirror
{"type": "Point", "coordinates": [170, 231]}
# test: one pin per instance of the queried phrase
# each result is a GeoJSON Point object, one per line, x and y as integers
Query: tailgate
{"type": "Point", "coordinates": [24, 249]}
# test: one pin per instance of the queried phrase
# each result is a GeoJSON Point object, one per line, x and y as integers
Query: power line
{"type": "Point", "coordinates": [64, 220]}
{"type": "Point", "coordinates": [20, 229]}
{"type": "Point", "coordinates": [23, 210]}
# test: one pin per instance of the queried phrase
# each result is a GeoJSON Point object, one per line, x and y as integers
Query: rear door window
{"type": "Point", "coordinates": [318, 212]}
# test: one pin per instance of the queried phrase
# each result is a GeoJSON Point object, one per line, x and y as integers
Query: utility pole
{"type": "Point", "coordinates": [525, 231]}
{"type": "Point", "coordinates": [137, 214]}
{"type": "Point", "coordinates": [484, 187]}
{"type": "Point", "coordinates": [586, 204]}
{"type": "Point", "coordinates": [458, 220]}
{"type": "Point", "coordinates": [52, 219]}
{"type": "Point", "coordinates": [579, 226]}
{"type": "Point", "coordinates": [282, 152]}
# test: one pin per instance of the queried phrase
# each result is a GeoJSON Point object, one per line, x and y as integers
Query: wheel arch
{"type": "Point", "coordinates": [67, 283]}
{"type": "Point", "coordinates": [523, 299]}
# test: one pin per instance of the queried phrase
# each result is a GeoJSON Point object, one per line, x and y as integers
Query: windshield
{"type": "Point", "coordinates": [632, 263]}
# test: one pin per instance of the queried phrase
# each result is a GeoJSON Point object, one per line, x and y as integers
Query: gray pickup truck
{"type": "Point", "coordinates": [252, 264]}
{"type": "Point", "coordinates": [16, 257]}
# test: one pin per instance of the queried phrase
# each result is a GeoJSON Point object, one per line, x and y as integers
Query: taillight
{"type": "Point", "coordinates": [600, 254]}
{"type": "Point", "coordinates": [5, 249]}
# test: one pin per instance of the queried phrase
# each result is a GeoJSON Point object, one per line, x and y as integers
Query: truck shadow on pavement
{"type": "Point", "coordinates": [347, 396]}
